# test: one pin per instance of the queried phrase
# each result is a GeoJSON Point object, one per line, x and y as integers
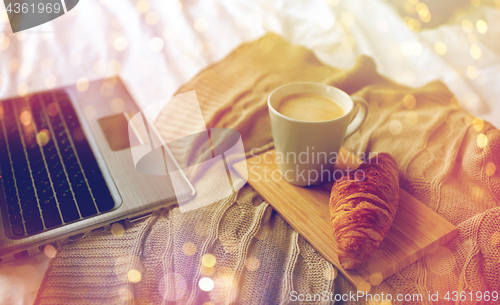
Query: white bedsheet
{"type": "Point", "coordinates": [155, 46]}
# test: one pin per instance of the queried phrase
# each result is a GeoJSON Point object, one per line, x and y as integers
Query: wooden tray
{"type": "Point", "coordinates": [416, 230]}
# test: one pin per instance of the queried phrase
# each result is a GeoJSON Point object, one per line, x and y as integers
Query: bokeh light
{"type": "Point", "coordinates": [43, 137]}
{"type": "Point", "coordinates": [364, 286]}
{"type": "Point", "coordinates": [25, 69]}
{"type": "Point", "coordinates": [22, 89]}
{"type": "Point", "coordinates": [348, 19]}
{"type": "Point", "coordinates": [471, 72]}
{"type": "Point", "coordinates": [78, 134]}
{"type": "Point", "coordinates": [410, 7]}
{"type": "Point", "coordinates": [152, 18]}
{"type": "Point", "coordinates": [423, 12]}
{"type": "Point", "coordinates": [142, 6]}
{"type": "Point", "coordinates": [481, 26]}
{"type": "Point", "coordinates": [475, 51]}
{"type": "Point", "coordinates": [170, 34]}
{"type": "Point", "coordinates": [411, 48]}
{"type": "Point", "coordinates": [495, 238]}
{"type": "Point", "coordinates": [347, 42]}
{"type": "Point", "coordinates": [52, 109]}
{"type": "Point", "coordinates": [21, 36]}
{"type": "Point", "coordinates": [117, 229]}
{"type": "Point", "coordinates": [114, 67]}
{"type": "Point", "coordinates": [482, 140]}
{"type": "Point", "coordinates": [156, 44]}
{"type": "Point", "coordinates": [13, 64]}
{"type": "Point", "coordinates": [106, 91]}
{"type": "Point", "coordinates": [417, 48]}
{"type": "Point", "coordinates": [179, 6]}
{"type": "Point", "coordinates": [110, 82]}
{"type": "Point", "coordinates": [478, 124]}
{"type": "Point", "coordinates": [412, 118]}
{"type": "Point", "coordinates": [412, 23]}
{"type": "Point", "coordinates": [252, 263]}
{"type": "Point", "coordinates": [82, 84]}
{"type": "Point", "coordinates": [99, 67]}
{"type": "Point", "coordinates": [409, 101]}
{"type": "Point", "coordinates": [405, 48]}
{"type": "Point", "coordinates": [117, 105]}
{"type": "Point", "coordinates": [330, 273]}
{"type": "Point", "coordinates": [395, 127]}
{"type": "Point", "coordinates": [490, 169]}
{"type": "Point", "coordinates": [408, 77]}
{"type": "Point", "coordinates": [206, 284]}
{"type": "Point", "coordinates": [208, 260]}
{"type": "Point", "coordinates": [4, 42]}
{"type": "Point", "coordinates": [134, 276]}
{"type": "Point", "coordinates": [376, 279]}
{"type": "Point", "coordinates": [227, 290]}
{"type": "Point", "coordinates": [467, 26]}
{"type": "Point", "coordinates": [440, 48]}
{"type": "Point", "coordinates": [189, 248]}
{"type": "Point", "coordinates": [25, 117]}
{"type": "Point", "coordinates": [201, 24]}
{"type": "Point", "coordinates": [120, 43]}
{"type": "Point", "coordinates": [50, 251]}
{"type": "Point", "coordinates": [426, 18]}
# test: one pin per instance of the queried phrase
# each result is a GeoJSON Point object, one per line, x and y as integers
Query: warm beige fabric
{"type": "Point", "coordinates": [444, 160]}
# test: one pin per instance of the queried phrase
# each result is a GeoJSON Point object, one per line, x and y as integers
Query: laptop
{"type": "Point", "coordinates": [67, 171]}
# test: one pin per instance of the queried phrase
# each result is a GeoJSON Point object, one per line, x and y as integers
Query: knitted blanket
{"type": "Point", "coordinates": [239, 250]}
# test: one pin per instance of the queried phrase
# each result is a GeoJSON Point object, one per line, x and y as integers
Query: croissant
{"type": "Point", "coordinates": [362, 208]}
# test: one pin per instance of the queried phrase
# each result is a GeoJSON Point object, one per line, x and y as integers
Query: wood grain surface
{"type": "Point", "coordinates": [416, 230]}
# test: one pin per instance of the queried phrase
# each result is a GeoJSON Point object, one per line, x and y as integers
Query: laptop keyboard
{"type": "Point", "coordinates": [49, 173]}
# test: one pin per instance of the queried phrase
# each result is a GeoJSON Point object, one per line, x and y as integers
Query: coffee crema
{"type": "Point", "coordinates": [309, 107]}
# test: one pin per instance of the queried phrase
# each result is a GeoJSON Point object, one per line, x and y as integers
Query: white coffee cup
{"type": "Point", "coordinates": [306, 151]}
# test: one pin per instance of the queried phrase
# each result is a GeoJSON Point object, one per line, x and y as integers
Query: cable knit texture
{"type": "Point", "coordinates": [447, 159]}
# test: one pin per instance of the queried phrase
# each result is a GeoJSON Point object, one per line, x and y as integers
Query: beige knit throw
{"type": "Point", "coordinates": [447, 159]}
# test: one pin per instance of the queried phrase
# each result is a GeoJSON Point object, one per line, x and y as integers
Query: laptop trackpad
{"type": "Point", "coordinates": [115, 129]}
